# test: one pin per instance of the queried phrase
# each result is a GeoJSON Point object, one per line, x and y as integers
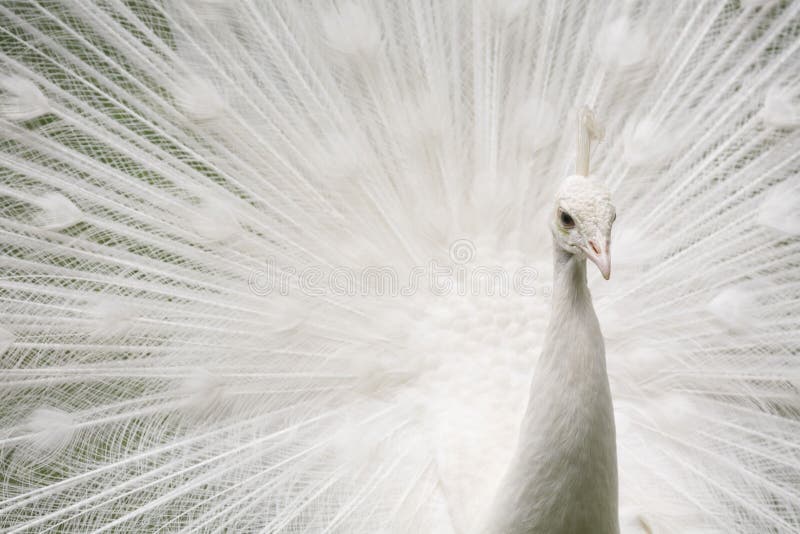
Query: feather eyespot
{"type": "Point", "coordinates": [566, 219]}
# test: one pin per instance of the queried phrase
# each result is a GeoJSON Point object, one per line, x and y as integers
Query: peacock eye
{"type": "Point", "coordinates": [566, 219]}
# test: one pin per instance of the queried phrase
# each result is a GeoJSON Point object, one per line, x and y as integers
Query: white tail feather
{"type": "Point", "coordinates": [57, 212]}
{"type": "Point", "coordinates": [20, 99]}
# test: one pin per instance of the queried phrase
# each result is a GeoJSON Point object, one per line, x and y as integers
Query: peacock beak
{"type": "Point", "coordinates": [597, 250]}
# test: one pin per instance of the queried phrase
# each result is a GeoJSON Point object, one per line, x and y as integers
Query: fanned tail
{"type": "Point", "coordinates": [218, 223]}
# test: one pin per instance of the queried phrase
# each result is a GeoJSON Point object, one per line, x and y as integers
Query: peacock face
{"type": "Point", "coordinates": [583, 219]}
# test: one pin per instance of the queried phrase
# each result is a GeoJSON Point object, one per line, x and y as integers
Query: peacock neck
{"type": "Point", "coordinates": [569, 282]}
{"type": "Point", "coordinates": [572, 318]}
{"type": "Point", "coordinates": [563, 477]}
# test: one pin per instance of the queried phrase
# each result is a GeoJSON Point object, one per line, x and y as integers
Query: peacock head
{"type": "Point", "coordinates": [582, 220]}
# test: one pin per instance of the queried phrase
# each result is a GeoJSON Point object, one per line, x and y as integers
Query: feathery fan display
{"type": "Point", "coordinates": [180, 181]}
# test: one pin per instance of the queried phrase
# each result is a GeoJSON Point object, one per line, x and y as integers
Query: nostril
{"type": "Point", "coordinates": [594, 247]}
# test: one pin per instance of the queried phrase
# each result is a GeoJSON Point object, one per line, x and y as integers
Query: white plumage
{"type": "Point", "coordinates": [219, 224]}
{"type": "Point", "coordinates": [562, 477]}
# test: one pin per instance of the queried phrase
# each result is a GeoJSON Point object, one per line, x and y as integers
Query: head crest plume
{"type": "Point", "coordinates": [588, 129]}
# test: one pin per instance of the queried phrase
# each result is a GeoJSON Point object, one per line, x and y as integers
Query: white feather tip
{"type": "Point", "coordinates": [21, 99]}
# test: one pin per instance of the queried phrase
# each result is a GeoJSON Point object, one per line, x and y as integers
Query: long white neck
{"type": "Point", "coordinates": [563, 477]}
